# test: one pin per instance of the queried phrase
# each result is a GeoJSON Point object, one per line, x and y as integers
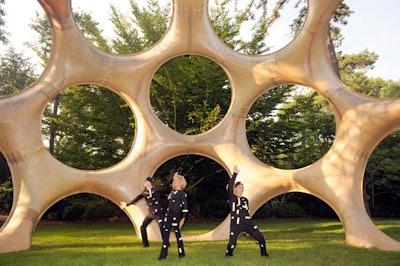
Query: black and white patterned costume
{"type": "Point", "coordinates": [177, 210]}
{"type": "Point", "coordinates": [241, 221]}
{"type": "Point", "coordinates": [152, 197]}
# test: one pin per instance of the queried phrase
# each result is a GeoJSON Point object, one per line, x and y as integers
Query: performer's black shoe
{"type": "Point", "coordinates": [181, 256]}
{"type": "Point", "coordinates": [265, 255]}
{"type": "Point", "coordinates": [228, 254]}
{"type": "Point", "coordinates": [161, 258]}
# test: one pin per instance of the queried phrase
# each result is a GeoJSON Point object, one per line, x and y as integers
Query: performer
{"type": "Point", "coordinates": [152, 196]}
{"type": "Point", "coordinates": [175, 216]}
{"type": "Point", "coordinates": [240, 217]}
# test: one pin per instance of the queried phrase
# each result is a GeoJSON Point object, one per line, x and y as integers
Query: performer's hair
{"type": "Point", "coordinates": [181, 179]}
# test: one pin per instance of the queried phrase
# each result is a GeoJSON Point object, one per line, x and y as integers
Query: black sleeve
{"type": "Point", "coordinates": [163, 187]}
{"type": "Point", "coordinates": [230, 185]}
{"type": "Point", "coordinates": [138, 197]}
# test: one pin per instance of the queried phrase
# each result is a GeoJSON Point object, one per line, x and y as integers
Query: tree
{"type": "Point", "coordinates": [382, 179]}
{"type": "Point", "coordinates": [16, 72]}
{"type": "Point", "coordinates": [3, 32]}
{"type": "Point", "coordinates": [94, 127]}
{"type": "Point", "coordinates": [190, 94]}
{"type": "Point", "coordinates": [141, 29]}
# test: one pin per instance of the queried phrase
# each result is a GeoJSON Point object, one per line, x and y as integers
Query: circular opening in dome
{"type": "Point", "coordinates": [190, 94]}
{"type": "Point", "coordinates": [6, 188]}
{"type": "Point", "coordinates": [290, 127]}
{"type": "Point", "coordinates": [122, 27]}
{"type": "Point", "coordinates": [252, 27]}
{"type": "Point", "coordinates": [206, 185]}
{"type": "Point", "coordinates": [84, 207]}
{"type": "Point", "coordinates": [381, 179]}
{"type": "Point", "coordinates": [88, 127]}
{"type": "Point", "coordinates": [296, 205]}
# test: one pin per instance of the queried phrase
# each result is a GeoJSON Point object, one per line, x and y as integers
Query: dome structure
{"type": "Point", "coordinates": [40, 180]}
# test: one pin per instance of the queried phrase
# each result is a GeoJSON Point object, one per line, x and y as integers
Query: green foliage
{"type": "Point", "coordinates": [382, 179]}
{"type": "Point", "coordinates": [141, 29]}
{"type": "Point", "coordinates": [206, 187]}
{"type": "Point", "coordinates": [95, 127]}
{"type": "Point", "coordinates": [3, 33]}
{"type": "Point", "coordinates": [41, 46]}
{"type": "Point", "coordinates": [6, 197]}
{"type": "Point", "coordinates": [73, 212]}
{"type": "Point", "coordinates": [295, 131]}
{"type": "Point", "coordinates": [295, 205]}
{"type": "Point", "coordinates": [190, 94]}
{"type": "Point", "coordinates": [5, 174]}
{"type": "Point", "coordinates": [288, 210]}
{"type": "Point", "coordinates": [225, 26]}
{"type": "Point", "coordinates": [16, 72]}
{"type": "Point", "coordinates": [83, 208]}
{"type": "Point", "coordinates": [90, 30]}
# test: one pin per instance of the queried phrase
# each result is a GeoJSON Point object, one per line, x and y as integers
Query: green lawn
{"type": "Point", "coordinates": [289, 242]}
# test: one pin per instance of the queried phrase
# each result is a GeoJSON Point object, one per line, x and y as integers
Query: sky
{"type": "Point", "coordinates": [372, 26]}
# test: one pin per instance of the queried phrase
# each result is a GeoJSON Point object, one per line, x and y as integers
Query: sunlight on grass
{"type": "Point", "coordinates": [289, 242]}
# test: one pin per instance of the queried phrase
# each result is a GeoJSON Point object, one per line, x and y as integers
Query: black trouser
{"type": "Point", "coordinates": [248, 227]}
{"type": "Point", "coordinates": [171, 222]}
{"type": "Point", "coordinates": [144, 225]}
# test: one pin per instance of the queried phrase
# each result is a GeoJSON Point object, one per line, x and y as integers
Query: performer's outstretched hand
{"type": "Point", "coordinates": [236, 169]}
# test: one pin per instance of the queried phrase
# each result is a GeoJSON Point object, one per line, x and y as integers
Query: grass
{"type": "Point", "coordinates": [289, 242]}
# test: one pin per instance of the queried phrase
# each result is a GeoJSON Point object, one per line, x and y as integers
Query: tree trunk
{"type": "Point", "coordinates": [52, 130]}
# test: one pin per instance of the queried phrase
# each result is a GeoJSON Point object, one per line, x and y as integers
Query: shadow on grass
{"type": "Point", "coordinates": [288, 242]}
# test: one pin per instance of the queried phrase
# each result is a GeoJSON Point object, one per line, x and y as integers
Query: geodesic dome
{"type": "Point", "coordinates": [40, 180]}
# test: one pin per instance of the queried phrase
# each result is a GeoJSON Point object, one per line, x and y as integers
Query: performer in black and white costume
{"type": "Point", "coordinates": [175, 216]}
{"type": "Point", "coordinates": [152, 196]}
{"type": "Point", "coordinates": [240, 217]}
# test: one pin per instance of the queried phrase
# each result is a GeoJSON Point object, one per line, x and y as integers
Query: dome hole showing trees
{"type": "Point", "coordinates": [85, 207]}
{"type": "Point", "coordinates": [381, 184]}
{"type": "Point", "coordinates": [136, 25]}
{"type": "Point", "coordinates": [295, 205]}
{"type": "Point", "coordinates": [88, 127]}
{"type": "Point", "coordinates": [290, 127]}
{"type": "Point", "coordinates": [257, 27]}
{"type": "Point", "coordinates": [191, 94]}
{"type": "Point", "coordinates": [6, 187]}
{"type": "Point", "coordinates": [206, 185]}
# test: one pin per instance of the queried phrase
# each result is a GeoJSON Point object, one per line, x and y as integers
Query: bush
{"type": "Point", "coordinates": [73, 212]}
{"type": "Point", "coordinates": [6, 197]}
{"type": "Point", "coordinates": [292, 210]}
{"type": "Point", "coordinates": [263, 212]}
{"type": "Point", "coordinates": [215, 209]}
{"type": "Point", "coordinates": [288, 210]}
{"type": "Point", "coordinates": [95, 210]}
